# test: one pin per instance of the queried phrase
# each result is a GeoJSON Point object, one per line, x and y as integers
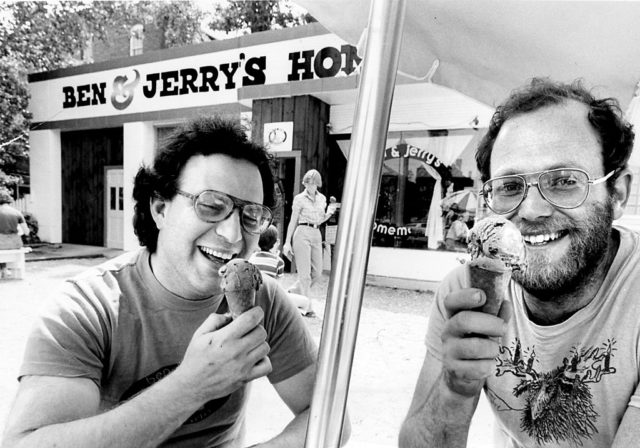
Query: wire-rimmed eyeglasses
{"type": "Point", "coordinates": [562, 188]}
{"type": "Point", "coordinates": [215, 206]}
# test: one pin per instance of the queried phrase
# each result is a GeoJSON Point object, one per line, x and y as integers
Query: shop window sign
{"type": "Point", "coordinates": [412, 183]}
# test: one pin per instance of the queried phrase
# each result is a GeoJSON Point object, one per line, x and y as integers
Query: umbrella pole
{"type": "Point", "coordinates": [355, 227]}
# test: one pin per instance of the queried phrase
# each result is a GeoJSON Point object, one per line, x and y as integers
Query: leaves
{"type": "Point", "coordinates": [38, 36]}
{"type": "Point", "coordinates": [255, 16]}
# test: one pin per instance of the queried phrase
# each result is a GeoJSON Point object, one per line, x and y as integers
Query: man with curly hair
{"type": "Point", "coordinates": [560, 363]}
{"type": "Point", "coordinates": [141, 351]}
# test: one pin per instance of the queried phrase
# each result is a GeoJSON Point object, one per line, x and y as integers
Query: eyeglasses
{"type": "Point", "coordinates": [216, 206]}
{"type": "Point", "coordinates": [563, 188]}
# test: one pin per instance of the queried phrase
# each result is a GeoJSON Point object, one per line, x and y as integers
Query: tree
{"type": "Point", "coordinates": [255, 16]}
{"type": "Point", "coordinates": [37, 36]}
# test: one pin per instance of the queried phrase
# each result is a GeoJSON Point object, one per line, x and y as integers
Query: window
{"type": "Point", "coordinates": [427, 179]}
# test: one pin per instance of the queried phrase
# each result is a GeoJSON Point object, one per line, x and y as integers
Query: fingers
{"type": "Point", "coordinates": [473, 348]}
{"type": "Point", "coordinates": [245, 322]}
{"type": "Point", "coordinates": [463, 299]}
{"type": "Point", "coordinates": [212, 323]}
{"type": "Point", "coordinates": [466, 323]}
{"type": "Point", "coordinates": [260, 369]}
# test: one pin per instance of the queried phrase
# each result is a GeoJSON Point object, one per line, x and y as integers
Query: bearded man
{"type": "Point", "coordinates": [561, 361]}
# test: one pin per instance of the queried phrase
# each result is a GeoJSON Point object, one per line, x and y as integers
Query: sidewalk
{"type": "Point", "coordinates": [62, 251]}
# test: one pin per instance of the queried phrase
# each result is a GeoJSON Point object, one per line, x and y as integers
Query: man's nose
{"type": "Point", "coordinates": [230, 228]}
{"type": "Point", "coordinates": [534, 206]}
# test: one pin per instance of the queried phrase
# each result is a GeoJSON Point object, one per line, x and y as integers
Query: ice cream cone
{"type": "Point", "coordinates": [493, 281]}
{"type": "Point", "coordinates": [240, 301]}
{"type": "Point", "coordinates": [239, 281]}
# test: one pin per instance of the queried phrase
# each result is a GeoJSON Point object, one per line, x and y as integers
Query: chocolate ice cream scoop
{"type": "Point", "coordinates": [239, 281]}
{"type": "Point", "coordinates": [497, 248]}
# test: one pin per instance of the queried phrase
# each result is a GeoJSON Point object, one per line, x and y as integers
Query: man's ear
{"type": "Point", "coordinates": [158, 207]}
{"type": "Point", "coordinates": [621, 191]}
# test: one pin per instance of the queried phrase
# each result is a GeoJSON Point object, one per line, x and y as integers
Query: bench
{"type": "Point", "coordinates": [15, 260]}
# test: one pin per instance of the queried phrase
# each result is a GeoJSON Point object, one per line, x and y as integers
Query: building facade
{"type": "Point", "coordinates": [296, 90]}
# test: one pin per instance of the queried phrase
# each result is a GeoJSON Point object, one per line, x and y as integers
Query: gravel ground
{"type": "Point", "coordinates": [388, 355]}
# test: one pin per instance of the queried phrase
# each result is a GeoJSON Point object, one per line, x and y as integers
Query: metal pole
{"type": "Point", "coordinates": [355, 226]}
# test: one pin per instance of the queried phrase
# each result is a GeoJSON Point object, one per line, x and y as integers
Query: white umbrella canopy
{"type": "Point", "coordinates": [462, 201]}
{"type": "Point", "coordinates": [486, 48]}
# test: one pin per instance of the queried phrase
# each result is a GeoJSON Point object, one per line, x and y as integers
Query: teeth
{"type": "Point", "coordinates": [215, 253]}
{"type": "Point", "coordinates": [543, 238]}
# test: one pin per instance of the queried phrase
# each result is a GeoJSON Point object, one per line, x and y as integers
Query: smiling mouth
{"type": "Point", "coordinates": [543, 238]}
{"type": "Point", "coordinates": [217, 256]}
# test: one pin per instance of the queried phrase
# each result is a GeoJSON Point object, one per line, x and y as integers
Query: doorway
{"type": "Point", "coordinates": [114, 213]}
{"type": "Point", "coordinates": [287, 185]}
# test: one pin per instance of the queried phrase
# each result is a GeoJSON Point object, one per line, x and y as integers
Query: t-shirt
{"type": "Point", "coordinates": [9, 219]}
{"type": "Point", "coordinates": [268, 263]}
{"type": "Point", "coordinates": [118, 326]}
{"type": "Point", "coordinates": [569, 384]}
{"type": "Point", "coordinates": [311, 209]}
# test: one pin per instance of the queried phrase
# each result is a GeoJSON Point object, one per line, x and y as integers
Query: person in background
{"type": "Point", "coordinates": [303, 241]}
{"type": "Point", "coordinates": [457, 235]}
{"type": "Point", "coordinates": [560, 363]}
{"type": "Point", "coordinates": [12, 226]}
{"type": "Point", "coordinates": [142, 351]}
{"type": "Point", "coordinates": [269, 262]}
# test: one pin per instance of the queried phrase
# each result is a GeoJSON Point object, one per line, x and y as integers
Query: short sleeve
{"type": "Point", "coordinates": [323, 202]}
{"type": "Point", "coordinates": [296, 206]}
{"type": "Point", "coordinates": [69, 338]}
{"type": "Point", "coordinates": [292, 346]}
{"type": "Point", "coordinates": [280, 268]}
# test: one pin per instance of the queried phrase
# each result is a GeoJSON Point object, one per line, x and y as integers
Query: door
{"type": "Point", "coordinates": [287, 179]}
{"type": "Point", "coordinates": [115, 207]}
{"type": "Point", "coordinates": [85, 155]}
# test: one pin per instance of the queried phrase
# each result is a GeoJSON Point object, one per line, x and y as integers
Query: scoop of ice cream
{"type": "Point", "coordinates": [239, 281]}
{"type": "Point", "coordinates": [496, 241]}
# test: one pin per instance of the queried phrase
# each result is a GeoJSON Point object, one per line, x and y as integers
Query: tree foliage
{"type": "Point", "coordinates": [38, 36]}
{"type": "Point", "coordinates": [255, 16]}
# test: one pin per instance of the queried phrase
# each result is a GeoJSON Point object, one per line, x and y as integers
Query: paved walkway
{"type": "Point", "coordinates": [387, 359]}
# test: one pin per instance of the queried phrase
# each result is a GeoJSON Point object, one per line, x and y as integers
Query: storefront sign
{"type": "Point", "coordinates": [197, 80]}
{"type": "Point", "coordinates": [278, 136]}
{"type": "Point", "coordinates": [404, 150]}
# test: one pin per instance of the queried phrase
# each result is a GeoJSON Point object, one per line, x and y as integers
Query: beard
{"type": "Point", "coordinates": [589, 243]}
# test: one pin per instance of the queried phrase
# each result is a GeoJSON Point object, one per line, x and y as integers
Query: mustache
{"type": "Point", "coordinates": [549, 225]}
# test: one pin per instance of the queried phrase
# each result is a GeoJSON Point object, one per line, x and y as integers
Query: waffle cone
{"type": "Point", "coordinates": [240, 300]}
{"type": "Point", "coordinates": [494, 284]}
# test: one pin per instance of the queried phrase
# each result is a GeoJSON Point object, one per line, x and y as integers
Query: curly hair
{"type": "Point", "coordinates": [200, 136]}
{"type": "Point", "coordinates": [616, 134]}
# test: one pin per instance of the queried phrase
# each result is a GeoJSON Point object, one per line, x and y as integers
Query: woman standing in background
{"type": "Point", "coordinates": [304, 241]}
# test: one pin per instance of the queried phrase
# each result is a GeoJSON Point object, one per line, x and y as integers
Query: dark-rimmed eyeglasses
{"type": "Point", "coordinates": [562, 188]}
{"type": "Point", "coordinates": [215, 206]}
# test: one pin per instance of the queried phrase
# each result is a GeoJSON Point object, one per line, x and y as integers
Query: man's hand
{"type": "Point", "coordinates": [470, 340]}
{"type": "Point", "coordinates": [223, 355]}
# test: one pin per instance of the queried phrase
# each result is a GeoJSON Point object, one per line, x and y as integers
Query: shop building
{"type": "Point", "coordinates": [95, 124]}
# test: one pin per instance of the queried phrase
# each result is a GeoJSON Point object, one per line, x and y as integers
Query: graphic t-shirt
{"type": "Point", "coordinates": [564, 385]}
{"type": "Point", "coordinates": [118, 326]}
